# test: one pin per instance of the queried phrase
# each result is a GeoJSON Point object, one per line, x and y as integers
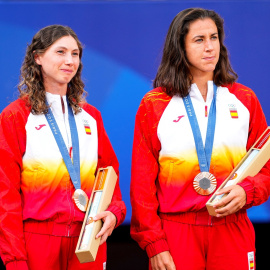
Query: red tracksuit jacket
{"type": "Point", "coordinates": [34, 181]}
{"type": "Point", "coordinates": [164, 161]}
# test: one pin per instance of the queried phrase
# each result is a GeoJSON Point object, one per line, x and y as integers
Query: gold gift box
{"type": "Point", "coordinates": [100, 199]}
{"type": "Point", "coordinates": [250, 165]}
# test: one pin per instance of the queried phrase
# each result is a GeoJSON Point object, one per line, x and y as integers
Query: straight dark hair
{"type": "Point", "coordinates": [173, 73]}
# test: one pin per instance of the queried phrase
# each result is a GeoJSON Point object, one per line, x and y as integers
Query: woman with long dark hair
{"type": "Point", "coordinates": [52, 143]}
{"type": "Point", "coordinates": [190, 133]}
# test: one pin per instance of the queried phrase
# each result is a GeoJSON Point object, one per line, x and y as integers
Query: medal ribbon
{"type": "Point", "coordinates": [73, 169]}
{"type": "Point", "coordinates": [204, 153]}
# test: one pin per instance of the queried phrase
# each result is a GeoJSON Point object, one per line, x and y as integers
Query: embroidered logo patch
{"type": "Point", "coordinates": [178, 118]}
{"type": "Point", "coordinates": [233, 111]}
{"type": "Point", "coordinates": [87, 127]}
{"type": "Point", "coordinates": [251, 259]}
{"type": "Point", "coordinates": [40, 126]}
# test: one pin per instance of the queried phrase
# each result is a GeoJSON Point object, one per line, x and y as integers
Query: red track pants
{"type": "Point", "coordinates": [198, 241]}
{"type": "Point", "coordinates": [49, 252]}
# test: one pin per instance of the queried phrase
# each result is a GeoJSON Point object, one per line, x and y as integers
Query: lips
{"type": "Point", "coordinates": [69, 71]}
{"type": "Point", "coordinates": [210, 58]}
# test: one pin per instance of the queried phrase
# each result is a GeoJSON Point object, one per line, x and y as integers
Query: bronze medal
{"type": "Point", "coordinates": [80, 199]}
{"type": "Point", "coordinates": [204, 183]}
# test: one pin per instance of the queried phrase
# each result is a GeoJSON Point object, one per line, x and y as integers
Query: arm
{"type": "Point", "coordinates": [257, 188]}
{"type": "Point", "coordinates": [252, 190]}
{"type": "Point", "coordinates": [146, 227]}
{"type": "Point", "coordinates": [12, 147]}
{"type": "Point", "coordinates": [116, 211]}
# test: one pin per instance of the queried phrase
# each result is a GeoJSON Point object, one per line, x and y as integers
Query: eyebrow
{"type": "Point", "coordinates": [201, 36]}
{"type": "Point", "coordinates": [62, 47]}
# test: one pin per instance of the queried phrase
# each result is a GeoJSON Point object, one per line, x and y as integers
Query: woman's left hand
{"type": "Point", "coordinates": [234, 201]}
{"type": "Point", "coordinates": [109, 222]}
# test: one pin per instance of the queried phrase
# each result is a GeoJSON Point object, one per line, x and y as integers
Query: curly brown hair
{"type": "Point", "coordinates": [173, 73]}
{"type": "Point", "coordinates": [31, 85]}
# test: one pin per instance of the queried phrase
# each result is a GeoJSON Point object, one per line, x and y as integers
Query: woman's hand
{"type": "Point", "coordinates": [109, 222]}
{"type": "Point", "coordinates": [234, 201]}
{"type": "Point", "coordinates": [162, 261]}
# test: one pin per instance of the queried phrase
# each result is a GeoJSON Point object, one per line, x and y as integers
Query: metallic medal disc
{"type": "Point", "coordinates": [204, 183]}
{"type": "Point", "coordinates": [80, 199]}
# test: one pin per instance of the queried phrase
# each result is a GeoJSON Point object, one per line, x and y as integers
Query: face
{"type": "Point", "coordinates": [202, 47]}
{"type": "Point", "coordinates": [59, 63]}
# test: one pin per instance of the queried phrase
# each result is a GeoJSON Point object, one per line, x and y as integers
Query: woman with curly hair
{"type": "Point", "coordinates": [190, 133]}
{"type": "Point", "coordinates": [52, 143]}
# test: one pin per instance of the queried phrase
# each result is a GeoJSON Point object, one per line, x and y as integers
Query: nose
{"type": "Point", "coordinates": [208, 45]}
{"type": "Point", "coordinates": [69, 59]}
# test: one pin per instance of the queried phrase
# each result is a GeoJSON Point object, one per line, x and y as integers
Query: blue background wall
{"type": "Point", "coordinates": [123, 45]}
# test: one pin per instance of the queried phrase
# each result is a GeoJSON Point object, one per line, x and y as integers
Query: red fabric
{"type": "Point", "coordinates": [58, 253]}
{"type": "Point", "coordinates": [52, 228]}
{"type": "Point", "coordinates": [106, 157]}
{"type": "Point", "coordinates": [13, 139]}
{"type": "Point", "coordinates": [258, 187]}
{"type": "Point", "coordinates": [159, 246]}
{"type": "Point", "coordinates": [146, 226]}
{"type": "Point", "coordinates": [12, 148]}
{"type": "Point", "coordinates": [213, 247]}
{"type": "Point", "coordinates": [17, 265]}
{"type": "Point", "coordinates": [202, 218]}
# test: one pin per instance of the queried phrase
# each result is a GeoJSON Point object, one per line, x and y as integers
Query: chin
{"type": "Point", "coordinates": [210, 69]}
{"type": "Point", "coordinates": [67, 80]}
